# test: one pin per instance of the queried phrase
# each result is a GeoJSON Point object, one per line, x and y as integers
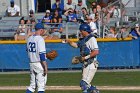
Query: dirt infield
{"type": "Point", "coordinates": [73, 88]}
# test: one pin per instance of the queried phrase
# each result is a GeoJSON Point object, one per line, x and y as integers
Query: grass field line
{"type": "Point", "coordinates": [132, 88]}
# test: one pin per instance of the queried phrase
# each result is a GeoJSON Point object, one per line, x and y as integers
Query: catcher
{"type": "Point", "coordinates": [52, 54]}
{"type": "Point", "coordinates": [88, 52]}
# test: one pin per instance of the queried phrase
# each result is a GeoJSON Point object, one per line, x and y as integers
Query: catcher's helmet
{"type": "Point", "coordinates": [85, 27]}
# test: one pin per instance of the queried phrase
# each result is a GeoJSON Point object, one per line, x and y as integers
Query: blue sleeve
{"type": "Point", "coordinates": [61, 6]}
{"type": "Point", "coordinates": [42, 57]}
{"type": "Point", "coordinates": [133, 33]}
{"type": "Point", "coordinates": [54, 6]}
{"type": "Point", "coordinates": [50, 17]}
{"type": "Point", "coordinates": [75, 16]}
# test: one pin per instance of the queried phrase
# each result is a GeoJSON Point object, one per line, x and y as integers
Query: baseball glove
{"type": "Point", "coordinates": [52, 54]}
{"type": "Point", "coordinates": [76, 60]}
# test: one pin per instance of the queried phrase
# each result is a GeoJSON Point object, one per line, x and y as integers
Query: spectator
{"type": "Point", "coordinates": [92, 26]}
{"type": "Point", "coordinates": [28, 27]}
{"type": "Point", "coordinates": [57, 28]}
{"type": "Point", "coordinates": [85, 13]}
{"type": "Point", "coordinates": [21, 31]}
{"type": "Point", "coordinates": [123, 33]}
{"type": "Point", "coordinates": [33, 22]}
{"type": "Point", "coordinates": [57, 5]}
{"type": "Point", "coordinates": [57, 16]}
{"type": "Point", "coordinates": [92, 15]}
{"type": "Point", "coordinates": [117, 12]}
{"type": "Point", "coordinates": [71, 16]}
{"type": "Point", "coordinates": [47, 20]}
{"type": "Point", "coordinates": [78, 9]}
{"type": "Point", "coordinates": [110, 13]}
{"type": "Point", "coordinates": [112, 33]}
{"type": "Point", "coordinates": [99, 8]}
{"type": "Point", "coordinates": [69, 5]}
{"type": "Point", "coordinates": [13, 10]}
{"type": "Point", "coordinates": [135, 33]}
{"type": "Point", "coordinates": [93, 4]}
{"type": "Point", "coordinates": [32, 15]}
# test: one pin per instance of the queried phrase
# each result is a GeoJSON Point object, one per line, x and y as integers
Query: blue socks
{"type": "Point", "coordinates": [40, 91]}
{"type": "Point", "coordinates": [28, 91]}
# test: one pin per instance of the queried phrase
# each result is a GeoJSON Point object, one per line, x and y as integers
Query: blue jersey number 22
{"type": "Point", "coordinates": [32, 47]}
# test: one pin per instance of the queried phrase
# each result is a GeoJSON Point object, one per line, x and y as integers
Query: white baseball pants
{"type": "Point", "coordinates": [37, 79]}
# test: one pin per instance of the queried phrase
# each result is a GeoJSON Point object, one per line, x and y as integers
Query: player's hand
{"type": "Point", "coordinates": [45, 72]}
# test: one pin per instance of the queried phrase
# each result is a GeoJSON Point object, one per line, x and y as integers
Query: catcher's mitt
{"type": "Point", "coordinates": [52, 54]}
{"type": "Point", "coordinates": [76, 60]}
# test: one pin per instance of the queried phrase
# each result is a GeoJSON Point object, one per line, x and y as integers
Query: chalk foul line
{"type": "Point", "coordinates": [136, 88]}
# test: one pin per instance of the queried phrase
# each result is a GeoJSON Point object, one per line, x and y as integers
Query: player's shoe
{"type": "Point", "coordinates": [93, 89]}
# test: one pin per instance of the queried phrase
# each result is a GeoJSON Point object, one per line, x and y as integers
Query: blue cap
{"type": "Point", "coordinates": [39, 26]}
{"type": "Point", "coordinates": [11, 1]}
{"type": "Point", "coordinates": [85, 27]}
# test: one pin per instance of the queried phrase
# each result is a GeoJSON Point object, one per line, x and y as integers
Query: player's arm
{"type": "Point", "coordinates": [43, 62]}
{"type": "Point", "coordinates": [92, 54]}
{"type": "Point", "coordinates": [42, 54]}
{"type": "Point", "coordinates": [73, 44]}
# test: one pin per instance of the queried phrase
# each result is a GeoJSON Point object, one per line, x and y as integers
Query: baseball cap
{"type": "Point", "coordinates": [136, 25]}
{"type": "Point", "coordinates": [47, 11]}
{"type": "Point", "coordinates": [11, 1]}
{"type": "Point", "coordinates": [79, 0]}
{"type": "Point", "coordinates": [39, 26]}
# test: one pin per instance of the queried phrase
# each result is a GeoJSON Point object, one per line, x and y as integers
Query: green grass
{"type": "Point", "coordinates": [66, 79]}
{"type": "Point", "coordinates": [118, 78]}
{"type": "Point", "coordinates": [72, 91]}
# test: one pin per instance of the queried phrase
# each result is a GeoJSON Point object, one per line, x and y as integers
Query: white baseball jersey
{"type": "Point", "coordinates": [13, 10]}
{"type": "Point", "coordinates": [35, 46]}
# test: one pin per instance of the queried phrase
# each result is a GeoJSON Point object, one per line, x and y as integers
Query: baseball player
{"type": "Point", "coordinates": [88, 52]}
{"type": "Point", "coordinates": [38, 66]}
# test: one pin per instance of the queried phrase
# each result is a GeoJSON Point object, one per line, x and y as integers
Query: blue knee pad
{"type": "Point", "coordinates": [84, 86]}
{"type": "Point", "coordinates": [28, 91]}
{"type": "Point", "coordinates": [40, 91]}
